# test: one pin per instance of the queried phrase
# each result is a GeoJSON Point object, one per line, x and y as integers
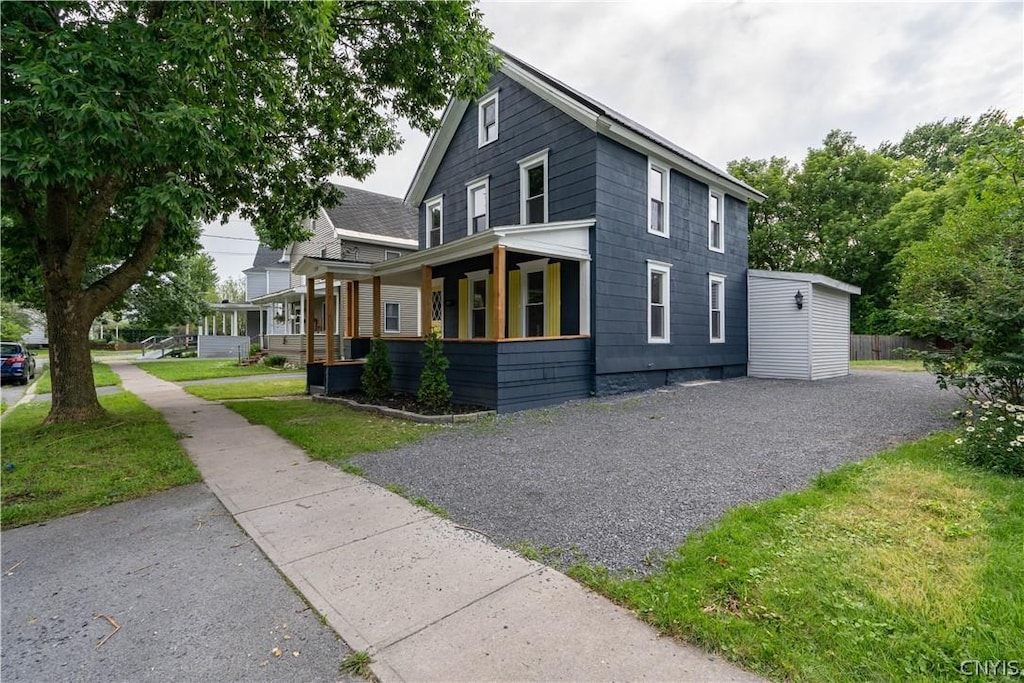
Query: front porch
{"type": "Point", "coordinates": [512, 305]}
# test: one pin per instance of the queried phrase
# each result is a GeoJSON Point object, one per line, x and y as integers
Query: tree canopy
{"type": "Point", "coordinates": [126, 124]}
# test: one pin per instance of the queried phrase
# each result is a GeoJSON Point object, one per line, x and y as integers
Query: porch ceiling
{"type": "Point", "coordinates": [315, 267]}
{"type": "Point", "coordinates": [565, 239]}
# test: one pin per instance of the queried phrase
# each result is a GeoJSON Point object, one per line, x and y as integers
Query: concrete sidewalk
{"type": "Point", "coordinates": [428, 599]}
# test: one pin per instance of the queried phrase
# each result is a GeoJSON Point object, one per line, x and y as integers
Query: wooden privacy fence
{"type": "Point", "coordinates": [882, 347]}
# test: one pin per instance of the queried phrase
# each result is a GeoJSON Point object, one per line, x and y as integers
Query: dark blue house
{"type": "Point", "coordinates": [567, 251]}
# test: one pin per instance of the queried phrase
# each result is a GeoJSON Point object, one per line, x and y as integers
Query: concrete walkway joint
{"type": "Point", "coordinates": [429, 600]}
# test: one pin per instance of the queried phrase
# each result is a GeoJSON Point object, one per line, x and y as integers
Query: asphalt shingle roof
{"type": "Point", "coordinates": [266, 258]}
{"type": "Point", "coordinates": [373, 213]}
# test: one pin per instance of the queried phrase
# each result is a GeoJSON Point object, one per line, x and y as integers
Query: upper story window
{"type": "Point", "coordinates": [716, 230]}
{"type": "Point", "coordinates": [389, 254]}
{"type": "Point", "coordinates": [323, 252]}
{"type": "Point", "coordinates": [435, 218]}
{"type": "Point", "coordinates": [487, 119]}
{"type": "Point", "coordinates": [716, 307]}
{"type": "Point", "coordinates": [533, 188]}
{"type": "Point", "coordinates": [477, 206]}
{"type": "Point", "coordinates": [657, 194]}
{"type": "Point", "coordinates": [658, 312]}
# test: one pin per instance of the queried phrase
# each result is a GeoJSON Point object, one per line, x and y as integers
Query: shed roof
{"type": "Point", "coordinates": [810, 278]}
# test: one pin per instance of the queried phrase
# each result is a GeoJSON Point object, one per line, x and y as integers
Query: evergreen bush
{"type": "Point", "coordinates": [376, 380]}
{"type": "Point", "coordinates": [434, 392]}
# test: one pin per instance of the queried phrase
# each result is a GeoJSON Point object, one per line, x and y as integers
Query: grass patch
{"type": "Point", "coordinates": [418, 501]}
{"type": "Point", "coordinates": [358, 664]}
{"type": "Point", "coordinates": [189, 369]}
{"type": "Point", "coordinates": [331, 432]}
{"type": "Point", "coordinates": [257, 388]}
{"type": "Point", "coordinates": [891, 365]}
{"type": "Point", "coordinates": [102, 376]}
{"type": "Point", "coordinates": [898, 568]}
{"type": "Point", "coordinates": [60, 469]}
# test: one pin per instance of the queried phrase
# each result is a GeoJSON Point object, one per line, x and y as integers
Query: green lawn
{"type": "Point", "coordinates": [257, 388]}
{"type": "Point", "coordinates": [102, 375]}
{"type": "Point", "coordinates": [190, 369]}
{"type": "Point", "coordinates": [60, 469]}
{"type": "Point", "coordinates": [331, 432]}
{"type": "Point", "coordinates": [894, 365]}
{"type": "Point", "coordinates": [898, 568]}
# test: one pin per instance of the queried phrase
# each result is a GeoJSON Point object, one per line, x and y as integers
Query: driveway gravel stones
{"type": "Point", "coordinates": [626, 478]}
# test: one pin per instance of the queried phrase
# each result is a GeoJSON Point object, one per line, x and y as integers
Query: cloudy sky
{"type": "Point", "coordinates": [729, 80]}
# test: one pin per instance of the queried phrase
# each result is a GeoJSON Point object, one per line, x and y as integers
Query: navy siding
{"type": "Point", "coordinates": [526, 125]}
{"type": "Point", "coordinates": [472, 375]}
{"type": "Point", "coordinates": [621, 249]}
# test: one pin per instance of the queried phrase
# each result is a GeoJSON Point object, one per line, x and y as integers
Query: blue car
{"type": "Point", "coordinates": [17, 364]}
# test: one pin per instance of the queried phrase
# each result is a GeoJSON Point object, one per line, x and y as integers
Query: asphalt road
{"type": "Point", "coordinates": [195, 600]}
{"type": "Point", "coordinates": [12, 393]}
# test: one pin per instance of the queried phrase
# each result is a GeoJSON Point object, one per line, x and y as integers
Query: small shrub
{"type": "Point", "coordinates": [254, 349]}
{"type": "Point", "coordinates": [992, 436]}
{"type": "Point", "coordinates": [434, 391]}
{"type": "Point", "coordinates": [275, 361]}
{"type": "Point", "coordinates": [376, 380]}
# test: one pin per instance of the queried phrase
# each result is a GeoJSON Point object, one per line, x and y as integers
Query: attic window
{"type": "Point", "coordinates": [323, 252]}
{"type": "Point", "coordinates": [657, 191]}
{"type": "Point", "coordinates": [487, 119]}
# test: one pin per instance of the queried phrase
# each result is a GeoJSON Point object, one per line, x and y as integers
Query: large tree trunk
{"type": "Point", "coordinates": [74, 391]}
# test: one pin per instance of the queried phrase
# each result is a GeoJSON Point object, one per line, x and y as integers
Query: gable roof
{"type": "Point", "coordinates": [265, 258]}
{"type": "Point", "coordinates": [588, 111]}
{"type": "Point", "coordinates": [371, 215]}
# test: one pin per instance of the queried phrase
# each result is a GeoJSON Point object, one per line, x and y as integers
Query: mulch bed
{"type": "Point", "coordinates": [408, 403]}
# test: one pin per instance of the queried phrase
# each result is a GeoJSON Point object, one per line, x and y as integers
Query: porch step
{"type": "Point", "coordinates": [255, 358]}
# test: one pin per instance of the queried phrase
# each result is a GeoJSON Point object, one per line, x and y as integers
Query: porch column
{"type": "Point", "coordinates": [234, 323]}
{"type": "Point", "coordinates": [310, 290]}
{"type": "Point", "coordinates": [329, 316]}
{"type": "Point", "coordinates": [214, 316]}
{"type": "Point", "coordinates": [376, 305]}
{"type": "Point", "coordinates": [348, 309]}
{"type": "Point", "coordinates": [354, 309]}
{"type": "Point", "coordinates": [337, 313]}
{"type": "Point", "coordinates": [499, 292]}
{"type": "Point", "coordinates": [305, 305]}
{"type": "Point", "coordinates": [426, 300]}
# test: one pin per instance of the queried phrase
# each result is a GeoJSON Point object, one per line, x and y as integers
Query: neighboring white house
{"type": "Point", "coordinates": [799, 325]}
{"type": "Point", "coordinates": [364, 228]}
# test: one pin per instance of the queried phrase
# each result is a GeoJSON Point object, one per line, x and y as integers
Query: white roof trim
{"type": "Point", "coordinates": [809, 278]}
{"type": "Point", "coordinates": [280, 295]}
{"type": "Point", "coordinates": [370, 238]}
{"type": "Point", "coordinates": [312, 266]}
{"type": "Point", "coordinates": [537, 239]}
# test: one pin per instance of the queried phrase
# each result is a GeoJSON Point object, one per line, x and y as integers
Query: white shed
{"type": "Point", "coordinates": [799, 325]}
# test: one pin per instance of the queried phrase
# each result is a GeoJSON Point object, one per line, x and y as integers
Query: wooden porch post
{"type": "Point", "coordinates": [376, 305]}
{"type": "Point", "coordinates": [329, 316]}
{"type": "Point", "coordinates": [499, 292]}
{"type": "Point", "coordinates": [426, 301]}
{"type": "Point", "coordinates": [354, 308]}
{"type": "Point", "coordinates": [310, 291]}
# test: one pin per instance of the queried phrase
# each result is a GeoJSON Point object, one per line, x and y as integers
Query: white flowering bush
{"type": "Point", "coordinates": [992, 436]}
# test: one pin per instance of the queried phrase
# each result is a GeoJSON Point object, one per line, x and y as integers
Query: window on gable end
{"type": "Point", "coordinates": [716, 223]}
{"type": "Point", "coordinates": [435, 219]}
{"type": "Point", "coordinates": [487, 119]}
{"type": "Point", "coordinates": [657, 194]}
{"type": "Point", "coordinates": [533, 188]}
{"type": "Point", "coordinates": [477, 206]}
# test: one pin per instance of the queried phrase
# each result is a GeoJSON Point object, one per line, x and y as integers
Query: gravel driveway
{"type": "Point", "coordinates": [627, 477]}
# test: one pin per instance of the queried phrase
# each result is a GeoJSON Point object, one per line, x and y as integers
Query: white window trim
{"type": "Point", "coordinates": [397, 254]}
{"type": "Point", "coordinates": [526, 267]}
{"type": "Point", "coordinates": [720, 279]}
{"type": "Point", "coordinates": [666, 185]}
{"type": "Point", "coordinates": [398, 317]}
{"type": "Point", "coordinates": [666, 269]}
{"type": "Point", "coordinates": [721, 220]}
{"type": "Point", "coordinates": [480, 131]}
{"type": "Point", "coordinates": [437, 201]}
{"type": "Point", "coordinates": [538, 159]}
{"type": "Point", "coordinates": [484, 182]}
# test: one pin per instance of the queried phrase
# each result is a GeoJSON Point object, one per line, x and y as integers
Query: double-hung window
{"type": "Point", "coordinates": [478, 206]}
{"type": "Point", "coordinates": [533, 188]}
{"type": "Point", "coordinates": [478, 307]}
{"type": "Point", "coordinates": [716, 229]}
{"type": "Point", "coordinates": [392, 319]}
{"type": "Point", "coordinates": [657, 194]}
{"type": "Point", "coordinates": [435, 219]}
{"type": "Point", "coordinates": [716, 307]}
{"type": "Point", "coordinates": [390, 254]}
{"type": "Point", "coordinates": [658, 312]}
{"type": "Point", "coordinates": [487, 119]}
